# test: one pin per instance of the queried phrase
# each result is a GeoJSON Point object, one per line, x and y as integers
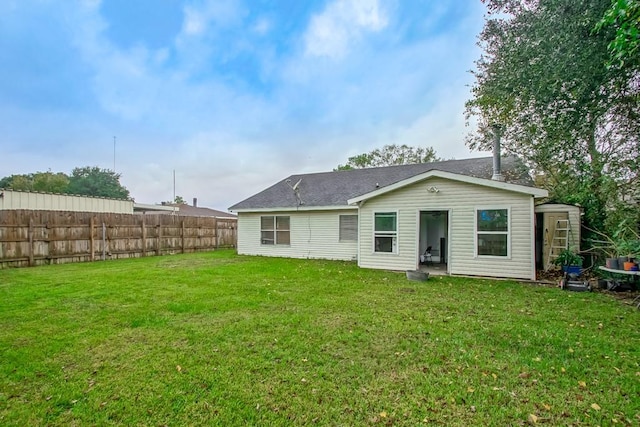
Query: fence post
{"type": "Point", "coordinates": [182, 234]}
{"type": "Point", "coordinates": [216, 234]}
{"type": "Point", "coordinates": [92, 241]}
{"type": "Point", "coordinates": [144, 235]}
{"type": "Point", "coordinates": [104, 242]}
{"type": "Point", "coordinates": [30, 241]}
{"type": "Point", "coordinates": [159, 245]}
{"type": "Point", "coordinates": [49, 243]}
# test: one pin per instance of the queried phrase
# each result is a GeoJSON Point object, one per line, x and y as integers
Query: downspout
{"type": "Point", "coordinates": [359, 234]}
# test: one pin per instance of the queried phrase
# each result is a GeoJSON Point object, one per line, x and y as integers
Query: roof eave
{"type": "Point", "coordinates": [533, 191]}
{"type": "Point", "coordinates": [293, 209]}
{"type": "Point", "coordinates": [149, 207]}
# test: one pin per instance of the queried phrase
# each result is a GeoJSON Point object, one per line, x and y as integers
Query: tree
{"type": "Point", "coordinates": [178, 200]}
{"type": "Point", "coordinates": [93, 181]}
{"type": "Point", "coordinates": [45, 182]}
{"type": "Point", "coordinates": [544, 79]}
{"type": "Point", "coordinates": [22, 182]}
{"type": "Point", "coordinates": [391, 155]}
{"type": "Point", "coordinates": [49, 182]}
{"type": "Point", "coordinates": [624, 17]}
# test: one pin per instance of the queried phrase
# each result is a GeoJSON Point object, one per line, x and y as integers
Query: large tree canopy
{"type": "Point", "coordinates": [93, 181]}
{"type": "Point", "coordinates": [544, 79]}
{"type": "Point", "coordinates": [46, 182]}
{"type": "Point", "coordinates": [85, 181]}
{"type": "Point", "coordinates": [624, 17]}
{"type": "Point", "coordinates": [391, 155]}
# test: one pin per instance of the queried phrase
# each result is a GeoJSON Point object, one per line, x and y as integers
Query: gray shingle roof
{"type": "Point", "coordinates": [188, 210]}
{"type": "Point", "coordinates": [335, 188]}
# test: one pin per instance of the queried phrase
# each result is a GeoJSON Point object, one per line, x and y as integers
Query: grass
{"type": "Point", "coordinates": [220, 339]}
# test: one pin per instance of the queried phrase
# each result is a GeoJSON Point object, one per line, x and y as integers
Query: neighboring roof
{"type": "Point", "coordinates": [144, 207]}
{"type": "Point", "coordinates": [335, 189]}
{"type": "Point", "coordinates": [188, 210]}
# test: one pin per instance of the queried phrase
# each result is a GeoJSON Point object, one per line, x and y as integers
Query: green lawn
{"type": "Point", "coordinates": [220, 339]}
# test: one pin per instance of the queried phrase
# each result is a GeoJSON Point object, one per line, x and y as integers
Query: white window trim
{"type": "Point", "coordinates": [397, 232]}
{"type": "Point", "coordinates": [275, 230]}
{"type": "Point", "coordinates": [475, 232]}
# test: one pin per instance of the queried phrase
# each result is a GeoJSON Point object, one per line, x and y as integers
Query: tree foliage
{"type": "Point", "coordinates": [391, 155]}
{"type": "Point", "coordinates": [46, 182]}
{"type": "Point", "coordinates": [93, 181]}
{"type": "Point", "coordinates": [86, 181]}
{"type": "Point", "coordinates": [544, 78]}
{"type": "Point", "coordinates": [178, 200]}
{"type": "Point", "coordinates": [624, 17]}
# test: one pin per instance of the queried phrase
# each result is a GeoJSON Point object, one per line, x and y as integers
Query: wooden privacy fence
{"type": "Point", "coordinates": [29, 237]}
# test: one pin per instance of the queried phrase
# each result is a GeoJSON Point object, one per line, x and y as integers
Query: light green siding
{"type": "Point", "coordinates": [460, 200]}
{"type": "Point", "coordinates": [314, 234]}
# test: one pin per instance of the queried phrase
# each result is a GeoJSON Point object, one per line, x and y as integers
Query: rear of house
{"type": "Point", "coordinates": [471, 229]}
{"type": "Point", "coordinates": [299, 234]}
{"type": "Point", "coordinates": [386, 217]}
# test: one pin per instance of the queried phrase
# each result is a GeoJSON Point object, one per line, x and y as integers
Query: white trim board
{"type": "Point", "coordinates": [535, 192]}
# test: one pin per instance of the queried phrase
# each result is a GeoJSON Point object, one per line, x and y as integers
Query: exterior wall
{"type": "Point", "coordinates": [14, 200]}
{"type": "Point", "coordinates": [460, 200]}
{"type": "Point", "coordinates": [314, 234]}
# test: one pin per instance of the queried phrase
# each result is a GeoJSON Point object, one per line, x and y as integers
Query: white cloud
{"type": "Point", "coordinates": [195, 21]}
{"type": "Point", "coordinates": [228, 137]}
{"type": "Point", "coordinates": [210, 15]}
{"type": "Point", "coordinates": [262, 26]}
{"type": "Point", "coordinates": [343, 22]}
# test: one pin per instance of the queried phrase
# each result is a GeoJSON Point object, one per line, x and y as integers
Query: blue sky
{"type": "Point", "coordinates": [233, 95]}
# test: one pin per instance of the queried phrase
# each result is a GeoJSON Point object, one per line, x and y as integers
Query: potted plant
{"type": "Point", "coordinates": [629, 252]}
{"type": "Point", "coordinates": [623, 246]}
{"type": "Point", "coordinates": [570, 261]}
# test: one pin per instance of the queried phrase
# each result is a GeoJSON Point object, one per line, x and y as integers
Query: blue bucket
{"type": "Point", "coordinates": [572, 269]}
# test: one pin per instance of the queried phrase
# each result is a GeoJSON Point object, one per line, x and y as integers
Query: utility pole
{"type": "Point", "coordinates": [114, 153]}
{"type": "Point", "coordinates": [174, 192]}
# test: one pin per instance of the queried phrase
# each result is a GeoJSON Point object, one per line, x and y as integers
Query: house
{"type": "Point", "coordinates": [476, 215]}
{"type": "Point", "coordinates": [184, 209]}
{"type": "Point", "coordinates": [195, 210]}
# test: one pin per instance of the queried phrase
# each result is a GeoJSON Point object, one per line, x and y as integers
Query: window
{"type": "Point", "coordinates": [385, 232]}
{"type": "Point", "coordinates": [274, 230]}
{"type": "Point", "coordinates": [348, 228]}
{"type": "Point", "coordinates": [492, 232]}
